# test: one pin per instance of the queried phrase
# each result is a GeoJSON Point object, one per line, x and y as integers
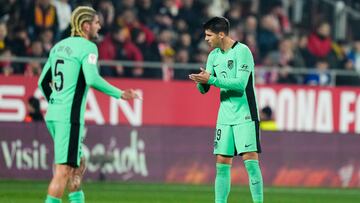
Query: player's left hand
{"type": "Point", "coordinates": [129, 94]}
{"type": "Point", "coordinates": [202, 77]}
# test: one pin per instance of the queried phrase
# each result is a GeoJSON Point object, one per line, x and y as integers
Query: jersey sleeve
{"type": "Point", "coordinates": [204, 88]}
{"type": "Point", "coordinates": [244, 67]}
{"type": "Point", "coordinates": [92, 76]}
{"type": "Point", "coordinates": [45, 80]}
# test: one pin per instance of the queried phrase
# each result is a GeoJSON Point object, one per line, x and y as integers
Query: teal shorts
{"type": "Point", "coordinates": [68, 139]}
{"type": "Point", "coordinates": [232, 140]}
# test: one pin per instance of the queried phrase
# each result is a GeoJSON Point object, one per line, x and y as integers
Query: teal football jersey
{"type": "Point", "coordinates": [233, 72]}
{"type": "Point", "coordinates": [66, 77]}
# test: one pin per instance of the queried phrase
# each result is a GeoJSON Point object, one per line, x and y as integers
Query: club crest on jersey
{"type": "Point", "coordinates": [230, 64]}
{"type": "Point", "coordinates": [92, 59]}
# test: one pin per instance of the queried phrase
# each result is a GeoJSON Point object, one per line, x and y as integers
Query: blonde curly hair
{"type": "Point", "coordinates": [79, 16]}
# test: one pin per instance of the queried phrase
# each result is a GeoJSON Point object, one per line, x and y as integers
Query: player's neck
{"type": "Point", "coordinates": [83, 35]}
{"type": "Point", "coordinates": [226, 44]}
{"type": "Point", "coordinates": [86, 36]}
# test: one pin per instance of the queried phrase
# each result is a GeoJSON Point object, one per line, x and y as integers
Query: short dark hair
{"type": "Point", "coordinates": [217, 24]}
{"type": "Point", "coordinates": [267, 111]}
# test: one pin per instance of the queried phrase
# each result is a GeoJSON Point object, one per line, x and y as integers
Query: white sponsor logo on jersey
{"type": "Point", "coordinates": [92, 59]}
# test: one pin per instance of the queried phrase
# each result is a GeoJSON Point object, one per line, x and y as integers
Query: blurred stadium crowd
{"type": "Point", "coordinates": [285, 34]}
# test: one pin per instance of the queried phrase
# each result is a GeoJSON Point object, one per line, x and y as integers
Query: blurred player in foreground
{"type": "Point", "coordinates": [230, 67]}
{"type": "Point", "coordinates": [65, 80]}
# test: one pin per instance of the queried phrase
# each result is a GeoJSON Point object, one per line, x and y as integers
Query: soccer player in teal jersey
{"type": "Point", "coordinates": [65, 80]}
{"type": "Point", "coordinates": [230, 67]}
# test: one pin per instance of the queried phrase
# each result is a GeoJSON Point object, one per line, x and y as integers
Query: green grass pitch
{"type": "Point", "coordinates": [110, 192]}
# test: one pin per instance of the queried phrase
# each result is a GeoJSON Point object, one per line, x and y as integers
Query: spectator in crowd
{"type": "Point", "coordinates": [11, 10]}
{"type": "Point", "coordinates": [267, 122]}
{"type": "Point", "coordinates": [267, 38]}
{"type": "Point", "coordinates": [354, 55]}
{"type": "Point", "coordinates": [149, 49]}
{"type": "Point", "coordinates": [5, 9]}
{"type": "Point", "coordinates": [301, 44]}
{"type": "Point", "coordinates": [166, 41]}
{"type": "Point", "coordinates": [286, 77]}
{"type": "Point", "coordinates": [319, 42]}
{"type": "Point", "coordinates": [321, 75]}
{"type": "Point", "coordinates": [278, 12]}
{"type": "Point", "coordinates": [338, 55]}
{"type": "Point", "coordinates": [18, 46]}
{"type": "Point", "coordinates": [63, 11]}
{"type": "Point", "coordinates": [147, 11]}
{"type": "Point", "coordinates": [234, 14]}
{"type": "Point", "coordinates": [124, 4]}
{"type": "Point", "coordinates": [167, 52]}
{"type": "Point", "coordinates": [33, 68]}
{"type": "Point", "coordinates": [347, 60]}
{"type": "Point", "coordinates": [184, 42]}
{"type": "Point", "coordinates": [288, 56]}
{"type": "Point", "coordinates": [166, 15]}
{"type": "Point", "coordinates": [42, 15]}
{"type": "Point", "coordinates": [251, 25]}
{"type": "Point", "coordinates": [118, 46]}
{"type": "Point", "coordinates": [47, 40]}
{"type": "Point", "coordinates": [147, 20]}
{"type": "Point", "coordinates": [150, 52]}
{"type": "Point", "coordinates": [250, 41]}
{"type": "Point", "coordinates": [200, 56]}
{"type": "Point", "coordinates": [6, 67]}
{"type": "Point", "coordinates": [34, 112]}
{"type": "Point", "coordinates": [182, 56]}
{"type": "Point", "coordinates": [250, 33]}
{"type": "Point", "coordinates": [218, 7]}
{"type": "Point", "coordinates": [189, 13]}
{"type": "Point", "coordinates": [20, 41]}
{"type": "Point", "coordinates": [4, 42]}
{"type": "Point", "coordinates": [128, 18]}
{"type": "Point", "coordinates": [237, 33]}
{"type": "Point", "coordinates": [106, 12]}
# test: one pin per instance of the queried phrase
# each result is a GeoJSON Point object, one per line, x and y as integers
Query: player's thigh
{"type": "Point", "coordinates": [67, 143]}
{"type": "Point", "coordinates": [51, 128]}
{"type": "Point", "coordinates": [224, 140]}
{"type": "Point", "coordinates": [247, 137]}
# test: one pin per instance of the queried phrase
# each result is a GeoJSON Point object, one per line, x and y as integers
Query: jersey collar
{"type": "Point", "coordinates": [235, 43]}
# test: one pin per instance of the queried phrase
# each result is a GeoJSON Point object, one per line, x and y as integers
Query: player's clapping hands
{"type": "Point", "coordinates": [129, 94]}
{"type": "Point", "coordinates": [201, 77]}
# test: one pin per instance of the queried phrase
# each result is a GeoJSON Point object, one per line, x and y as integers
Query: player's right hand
{"type": "Point", "coordinates": [129, 94]}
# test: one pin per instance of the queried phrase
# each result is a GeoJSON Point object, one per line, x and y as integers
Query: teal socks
{"type": "Point", "coordinates": [74, 197]}
{"type": "Point", "coordinates": [255, 180]}
{"type": "Point", "coordinates": [51, 199]}
{"type": "Point", "coordinates": [77, 197]}
{"type": "Point", "coordinates": [222, 182]}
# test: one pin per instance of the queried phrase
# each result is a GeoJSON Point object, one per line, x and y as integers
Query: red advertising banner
{"type": "Point", "coordinates": [313, 109]}
{"type": "Point", "coordinates": [178, 103]}
{"type": "Point", "coordinates": [164, 103]}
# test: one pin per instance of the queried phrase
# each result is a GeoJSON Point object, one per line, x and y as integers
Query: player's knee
{"type": "Point", "coordinates": [250, 156]}
{"type": "Point", "coordinates": [74, 183]}
{"type": "Point", "coordinates": [223, 159]}
{"type": "Point", "coordinates": [63, 171]}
